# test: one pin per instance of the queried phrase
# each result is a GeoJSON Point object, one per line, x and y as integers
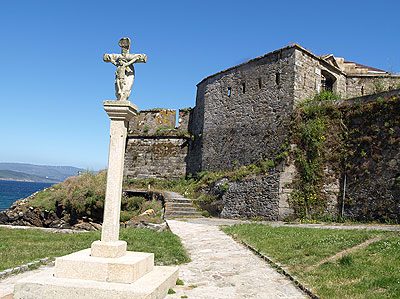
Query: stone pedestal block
{"type": "Point", "coordinates": [125, 269]}
{"type": "Point", "coordinates": [108, 249]}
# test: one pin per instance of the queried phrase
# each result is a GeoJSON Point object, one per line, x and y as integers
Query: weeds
{"type": "Point", "coordinates": [312, 132]}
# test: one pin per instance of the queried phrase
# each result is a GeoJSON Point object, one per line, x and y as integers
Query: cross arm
{"type": "Point", "coordinates": [135, 58]}
{"type": "Point", "coordinates": [110, 58]}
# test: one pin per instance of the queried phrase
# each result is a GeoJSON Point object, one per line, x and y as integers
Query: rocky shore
{"type": "Point", "coordinates": [21, 213]}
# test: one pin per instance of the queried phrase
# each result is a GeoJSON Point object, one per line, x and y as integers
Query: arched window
{"type": "Point", "coordinates": [327, 81]}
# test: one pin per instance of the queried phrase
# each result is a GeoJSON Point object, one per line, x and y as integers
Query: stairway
{"type": "Point", "coordinates": [178, 206]}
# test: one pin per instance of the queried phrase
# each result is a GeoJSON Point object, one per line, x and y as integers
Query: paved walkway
{"type": "Point", "coordinates": [222, 268]}
{"type": "Point", "coordinates": [7, 284]}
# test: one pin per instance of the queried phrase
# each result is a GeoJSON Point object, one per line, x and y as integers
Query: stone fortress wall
{"type": "Point", "coordinates": [243, 114]}
{"type": "Point", "coordinates": [245, 111]}
{"type": "Point", "coordinates": [155, 147]}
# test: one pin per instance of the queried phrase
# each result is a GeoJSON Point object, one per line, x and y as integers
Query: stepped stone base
{"type": "Point", "coordinates": [125, 269]}
{"type": "Point", "coordinates": [153, 285]}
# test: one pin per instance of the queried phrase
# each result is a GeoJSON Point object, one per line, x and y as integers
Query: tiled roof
{"type": "Point", "coordinates": [370, 69]}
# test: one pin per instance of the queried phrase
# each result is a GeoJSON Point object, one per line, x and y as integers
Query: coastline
{"type": "Point", "coordinates": [30, 181]}
{"type": "Point", "coordinates": [12, 191]}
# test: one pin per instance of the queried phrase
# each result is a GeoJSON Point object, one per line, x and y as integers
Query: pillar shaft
{"type": "Point", "coordinates": [112, 206]}
{"type": "Point", "coordinates": [120, 112]}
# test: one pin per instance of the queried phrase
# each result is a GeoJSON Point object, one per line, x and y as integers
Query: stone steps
{"type": "Point", "coordinates": [172, 214]}
{"type": "Point", "coordinates": [178, 209]}
{"type": "Point", "coordinates": [178, 206]}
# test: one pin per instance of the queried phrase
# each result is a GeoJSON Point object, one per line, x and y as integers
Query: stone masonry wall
{"type": "Point", "coordinates": [253, 197]}
{"type": "Point", "coordinates": [155, 148]}
{"type": "Point", "coordinates": [286, 177]}
{"type": "Point", "coordinates": [185, 118]}
{"type": "Point", "coordinates": [147, 122]}
{"type": "Point", "coordinates": [244, 111]}
{"type": "Point", "coordinates": [195, 127]}
{"type": "Point", "coordinates": [373, 163]}
{"type": "Point", "coordinates": [368, 84]}
{"type": "Point", "coordinates": [156, 157]}
{"type": "Point", "coordinates": [309, 70]}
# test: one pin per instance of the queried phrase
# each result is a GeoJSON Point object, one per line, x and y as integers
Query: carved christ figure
{"type": "Point", "coordinates": [125, 73]}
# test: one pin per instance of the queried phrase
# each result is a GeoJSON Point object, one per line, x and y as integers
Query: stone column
{"type": "Point", "coordinates": [120, 112]}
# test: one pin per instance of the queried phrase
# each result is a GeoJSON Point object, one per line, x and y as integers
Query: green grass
{"type": "Point", "coordinates": [370, 272]}
{"type": "Point", "coordinates": [19, 246]}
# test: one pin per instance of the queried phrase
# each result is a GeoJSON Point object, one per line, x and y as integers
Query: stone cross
{"type": "Point", "coordinates": [120, 112]}
{"type": "Point", "coordinates": [125, 73]}
{"type": "Point", "coordinates": [106, 270]}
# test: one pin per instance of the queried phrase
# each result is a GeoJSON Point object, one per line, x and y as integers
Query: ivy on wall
{"type": "Point", "coordinates": [361, 140]}
{"type": "Point", "coordinates": [318, 131]}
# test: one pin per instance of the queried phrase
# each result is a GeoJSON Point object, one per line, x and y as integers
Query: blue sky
{"type": "Point", "coordinates": [53, 79]}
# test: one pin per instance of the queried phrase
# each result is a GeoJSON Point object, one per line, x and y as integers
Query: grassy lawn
{"type": "Point", "coordinates": [19, 246]}
{"type": "Point", "coordinates": [370, 272]}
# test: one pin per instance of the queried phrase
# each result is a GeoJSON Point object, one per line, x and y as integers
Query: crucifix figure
{"type": "Point", "coordinates": [125, 73]}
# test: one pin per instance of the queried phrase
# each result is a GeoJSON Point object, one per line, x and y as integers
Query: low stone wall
{"type": "Point", "coordinates": [370, 84]}
{"type": "Point", "coordinates": [252, 197]}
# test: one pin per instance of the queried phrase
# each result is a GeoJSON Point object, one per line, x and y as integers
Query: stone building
{"type": "Point", "coordinates": [243, 113]}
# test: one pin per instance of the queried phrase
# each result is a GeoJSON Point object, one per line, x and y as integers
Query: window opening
{"type": "Point", "coordinates": [259, 83]}
{"type": "Point", "coordinates": [229, 91]}
{"type": "Point", "coordinates": [327, 81]}
{"type": "Point", "coordinates": [362, 90]}
{"type": "Point", "coordinates": [278, 78]}
{"type": "Point", "coordinates": [244, 87]}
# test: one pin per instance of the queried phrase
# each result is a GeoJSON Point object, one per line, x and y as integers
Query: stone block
{"type": "Point", "coordinates": [153, 285]}
{"type": "Point", "coordinates": [125, 269]}
{"type": "Point", "coordinates": [284, 212]}
{"type": "Point", "coordinates": [284, 203]}
{"type": "Point", "coordinates": [108, 249]}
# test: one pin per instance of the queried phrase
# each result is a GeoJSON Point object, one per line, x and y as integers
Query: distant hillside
{"type": "Point", "coordinates": [20, 176]}
{"type": "Point", "coordinates": [43, 172]}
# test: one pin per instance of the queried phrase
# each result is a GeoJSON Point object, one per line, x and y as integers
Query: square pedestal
{"type": "Point", "coordinates": [153, 285]}
{"type": "Point", "coordinates": [108, 249]}
{"type": "Point", "coordinates": [125, 269]}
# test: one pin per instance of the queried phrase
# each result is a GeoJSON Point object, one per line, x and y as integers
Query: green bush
{"type": "Point", "coordinates": [83, 194]}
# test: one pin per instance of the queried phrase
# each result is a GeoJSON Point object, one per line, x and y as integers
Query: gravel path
{"type": "Point", "coordinates": [221, 268]}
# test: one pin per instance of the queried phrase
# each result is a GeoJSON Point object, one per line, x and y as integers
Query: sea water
{"type": "Point", "coordinates": [11, 191]}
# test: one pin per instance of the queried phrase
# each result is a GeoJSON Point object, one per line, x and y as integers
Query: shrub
{"type": "Point", "coordinates": [317, 131]}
